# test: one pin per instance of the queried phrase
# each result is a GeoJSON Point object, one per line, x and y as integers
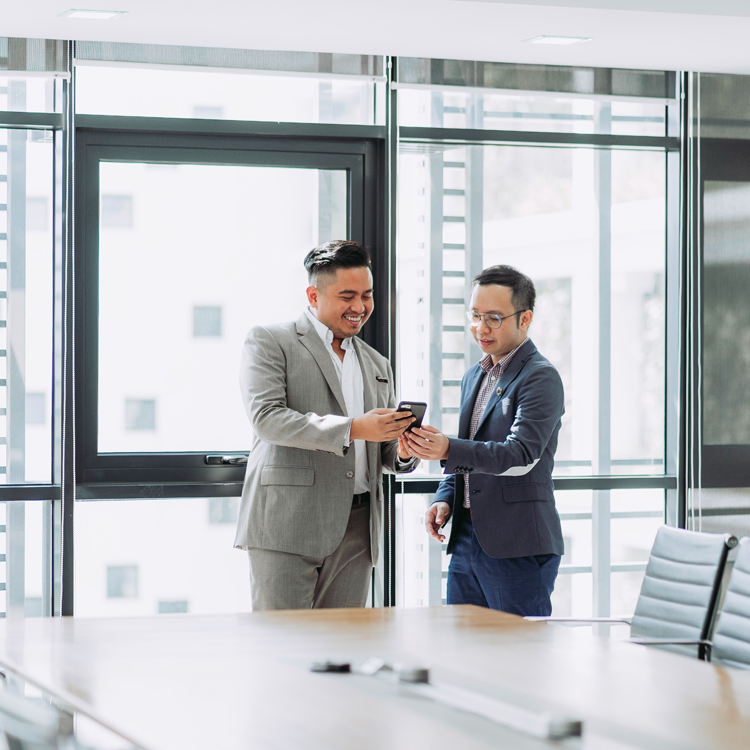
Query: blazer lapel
{"type": "Point", "coordinates": [313, 343]}
{"type": "Point", "coordinates": [467, 407]}
{"type": "Point", "coordinates": [510, 374]}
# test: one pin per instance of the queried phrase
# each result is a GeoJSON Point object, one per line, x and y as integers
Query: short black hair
{"type": "Point", "coordinates": [327, 258]}
{"type": "Point", "coordinates": [524, 293]}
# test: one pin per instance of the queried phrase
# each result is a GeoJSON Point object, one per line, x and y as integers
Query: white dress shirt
{"type": "Point", "coordinates": [353, 386]}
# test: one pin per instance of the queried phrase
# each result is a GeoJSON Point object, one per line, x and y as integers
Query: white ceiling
{"type": "Point", "coordinates": [654, 34]}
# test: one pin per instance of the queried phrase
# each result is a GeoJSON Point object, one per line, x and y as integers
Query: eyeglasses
{"type": "Point", "coordinates": [492, 320]}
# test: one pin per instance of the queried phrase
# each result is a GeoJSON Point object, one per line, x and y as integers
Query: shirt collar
{"type": "Point", "coordinates": [486, 363]}
{"type": "Point", "coordinates": [325, 333]}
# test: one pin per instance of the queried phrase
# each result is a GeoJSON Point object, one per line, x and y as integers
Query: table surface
{"type": "Point", "coordinates": [241, 681]}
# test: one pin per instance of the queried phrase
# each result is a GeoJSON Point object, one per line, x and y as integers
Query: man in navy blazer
{"type": "Point", "coordinates": [506, 541]}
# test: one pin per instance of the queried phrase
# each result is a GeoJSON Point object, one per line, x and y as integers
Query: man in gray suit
{"type": "Point", "coordinates": [322, 406]}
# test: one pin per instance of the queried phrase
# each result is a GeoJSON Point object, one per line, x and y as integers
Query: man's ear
{"type": "Point", "coordinates": [312, 296]}
{"type": "Point", "coordinates": [526, 318]}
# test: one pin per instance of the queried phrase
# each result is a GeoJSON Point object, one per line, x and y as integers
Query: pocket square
{"type": "Point", "coordinates": [381, 380]}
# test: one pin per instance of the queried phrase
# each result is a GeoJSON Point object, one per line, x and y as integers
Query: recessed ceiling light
{"type": "Point", "coordinates": [558, 39]}
{"type": "Point", "coordinates": [98, 15]}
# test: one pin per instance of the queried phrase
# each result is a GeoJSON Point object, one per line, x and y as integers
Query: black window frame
{"type": "Point", "coordinates": [360, 150]}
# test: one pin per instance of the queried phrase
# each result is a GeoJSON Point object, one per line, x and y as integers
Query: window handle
{"type": "Point", "coordinates": [240, 460]}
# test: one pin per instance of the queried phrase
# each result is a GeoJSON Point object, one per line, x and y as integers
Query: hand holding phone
{"type": "Point", "coordinates": [377, 426]}
{"type": "Point", "coordinates": [417, 408]}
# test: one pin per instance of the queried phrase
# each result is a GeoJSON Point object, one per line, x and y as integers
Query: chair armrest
{"type": "Point", "coordinates": [708, 645]}
{"type": "Point", "coordinates": [582, 620]}
{"type": "Point", "coordinates": [645, 641]}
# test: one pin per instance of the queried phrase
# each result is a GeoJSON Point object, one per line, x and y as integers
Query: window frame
{"type": "Point", "coordinates": [378, 146]}
{"type": "Point", "coordinates": [356, 149]}
{"type": "Point", "coordinates": [600, 484]}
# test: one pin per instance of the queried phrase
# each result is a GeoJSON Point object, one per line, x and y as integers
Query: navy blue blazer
{"type": "Point", "coordinates": [510, 459]}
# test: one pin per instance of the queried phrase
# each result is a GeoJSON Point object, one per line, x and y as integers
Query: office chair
{"type": "Point", "coordinates": [28, 724]}
{"type": "Point", "coordinates": [33, 724]}
{"type": "Point", "coordinates": [730, 645]}
{"type": "Point", "coordinates": [676, 608]}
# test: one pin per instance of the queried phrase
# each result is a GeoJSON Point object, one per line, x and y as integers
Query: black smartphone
{"type": "Point", "coordinates": [417, 408]}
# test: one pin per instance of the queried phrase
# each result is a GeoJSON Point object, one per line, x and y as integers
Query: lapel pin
{"type": "Point", "coordinates": [499, 391]}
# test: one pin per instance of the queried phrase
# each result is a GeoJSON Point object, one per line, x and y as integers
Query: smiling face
{"type": "Point", "coordinates": [343, 300]}
{"type": "Point", "coordinates": [492, 298]}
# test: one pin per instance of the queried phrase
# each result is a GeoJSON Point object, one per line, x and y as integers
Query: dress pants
{"type": "Point", "coordinates": [519, 585]}
{"type": "Point", "coordinates": [281, 580]}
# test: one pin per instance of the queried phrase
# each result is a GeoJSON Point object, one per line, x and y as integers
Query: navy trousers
{"type": "Point", "coordinates": [519, 585]}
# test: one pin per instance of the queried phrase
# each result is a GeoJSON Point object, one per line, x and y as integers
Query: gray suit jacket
{"type": "Point", "coordinates": [510, 459]}
{"type": "Point", "coordinates": [299, 480]}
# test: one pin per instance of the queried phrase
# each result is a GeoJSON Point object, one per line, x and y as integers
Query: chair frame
{"type": "Point", "coordinates": [703, 643]}
{"type": "Point", "coordinates": [707, 644]}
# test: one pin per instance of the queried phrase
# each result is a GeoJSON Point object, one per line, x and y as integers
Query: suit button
{"type": "Point", "coordinates": [349, 474]}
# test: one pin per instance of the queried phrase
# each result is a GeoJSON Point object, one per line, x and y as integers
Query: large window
{"type": "Point", "coordinates": [530, 112]}
{"type": "Point", "coordinates": [542, 210]}
{"type": "Point", "coordinates": [30, 245]}
{"type": "Point", "coordinates": [222, 95]}
{"type": "Point", "coordinates": [718, 261]}
{"type": "Point", "coordinates": [197, 181]}
{"type": "Point", "coordinates": [589, 224]}
{"type": "Point", "coordinates": [184, 248]}
{"type": "Point", "coordinates": [26, 299]}
{"type": "Point", "coordinates": [230, 84]}
{"type": "Point", "coordinates": [148, 557]}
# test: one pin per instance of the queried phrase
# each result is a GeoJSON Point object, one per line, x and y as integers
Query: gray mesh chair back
{"type": "Point", "coordinates": [681, 586]}
{"type": "Point", "coordinates": [731, 641]}
{"type": "Point", "coordinates": [30, 724]}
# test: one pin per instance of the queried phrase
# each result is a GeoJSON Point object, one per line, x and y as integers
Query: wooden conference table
{"type": "Point", "coordinates": [242, 681]}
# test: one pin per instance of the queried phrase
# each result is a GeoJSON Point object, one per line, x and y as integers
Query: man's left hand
{"type": "Point", "coordinates": [427, 443]}
{"type": "Point", "coordinates": [404, 452]}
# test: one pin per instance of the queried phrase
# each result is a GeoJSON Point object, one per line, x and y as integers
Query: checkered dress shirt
{"type": "Point", "coordinates": [491, 376]}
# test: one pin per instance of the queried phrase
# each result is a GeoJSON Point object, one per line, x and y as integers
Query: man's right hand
{"type": "Point", "coordinates": [434, 519]}
{"type": "Point", "coordinates": [380, 425]}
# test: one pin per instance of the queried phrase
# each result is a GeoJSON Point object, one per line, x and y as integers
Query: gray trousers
{"type": "Point", "coordinates": [281, 580]}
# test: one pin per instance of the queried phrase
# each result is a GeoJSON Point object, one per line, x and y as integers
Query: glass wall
{"type": "Point", "coordinates": [590, 227]}
{"type": "Point", "coordinates": [19, 93]}
{"type": "Point", "coordinates": [149, 80]}
{"type": "Point", "coordinates": [720, 256]}
{"type": "Point", "coordinates": [26, 275]}
{"type": "Point", "coordinates": [148, 557]}
{"type": "Point", "coordinates": [190, 257]}
{"type": "Point", "coordinates": [25, 558]}
{"type": "Point", "coordinates": [222, 95]}
{"type": "Point", "coordinates": [726, 268]}
{"type": "Point", "coordinates": [178, 257]}
{"type": "Point", "coordinates": [541, 210]}
{"type": "Point", "coordinates": [30, 229]}
{"type": "Point", "coordinates": [529, 112]}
